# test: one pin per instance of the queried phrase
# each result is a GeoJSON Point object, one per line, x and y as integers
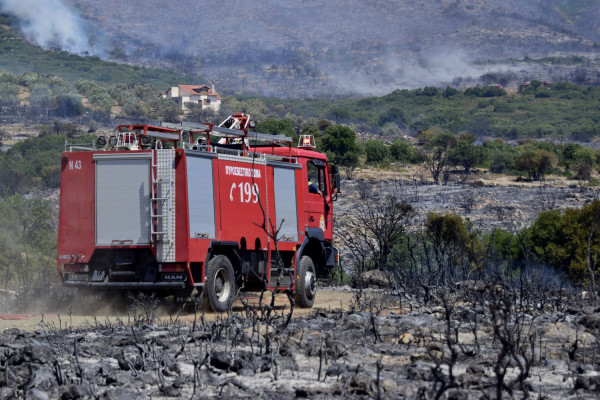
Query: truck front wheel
{"type": "Point", "coordinates": [219, 286]}
{"type": "Point", "coordinates": [306, 283]}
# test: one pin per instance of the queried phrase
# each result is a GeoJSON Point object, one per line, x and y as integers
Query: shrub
{"type": "Point", "coordinates": [376, 151]}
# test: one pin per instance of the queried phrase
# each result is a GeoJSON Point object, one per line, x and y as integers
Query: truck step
{"type": "Point", "coordinates": [285, 280]}
{"type": "Point", "coordinates": [122, 273]}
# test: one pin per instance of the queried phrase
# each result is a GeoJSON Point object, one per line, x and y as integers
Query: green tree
{"type": "Point", "coordinates": [499, 155]}
{"type": "Point", "coordinates": [437, 147]}
{"type": "Point", "coordinates": [8, 96]}
{"type": "Point", "coordinates": [536, 162]}
{"type": "Point", "coordinates": [548, 240]}
{"type": "Point", "coordinates": [376, 151]}
{"type": "Point", "coordinates": [393, 114]}
{"type": "Point", "coordinates": [567, 158]}
{"type": "Point", "coordinates": [135, 109]}
{"type": "Point", "coordinates": [454, 246]}
{"type": "Point", "coordinates": [36, 220]}
{"type": "Point", "coordinates": [502, 245]}
{"type": "Point", "coordinates": [166, 109]}
{"type": "Point", "coordinates": [581, 230]}
{"type": "Point", "coordinates": [584, 160]}
{"type": "Point", "coordinates": [339, 114]}
{"type": "Point", "coordinates": [402, 151]}
{"type": "Point", "coordinates": [340, 141]}
{"type": "Point", "coordinates": [68, 105]}
{"type": "Point", "coordinates": [481, 126]}
{"type": "Point", "coordinates": [465, 153]}
{"type": "Point", "coordinates": [277, 127]}
{"type": "Point", "coordinates": [40, 97]}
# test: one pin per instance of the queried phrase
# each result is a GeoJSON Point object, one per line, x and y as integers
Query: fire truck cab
{"type": "Point", "coordinates": [178, 207]}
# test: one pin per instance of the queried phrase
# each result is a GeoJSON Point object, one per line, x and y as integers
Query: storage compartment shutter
{"type": "Point", "coordinates": [201, 198]}
{"type": "Point", "coordinates": [285, 203]}
{"type": "Point", "coordinates": [123, 200]}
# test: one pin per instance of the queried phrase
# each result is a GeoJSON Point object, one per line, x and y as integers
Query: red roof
{"type": "Point", "coordinates": [197, 89]}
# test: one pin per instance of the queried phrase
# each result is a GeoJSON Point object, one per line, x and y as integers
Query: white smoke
{"type": "Point", "coordinates": [50, 24]}
{"type": "Point", "coordinates": [433, 67]}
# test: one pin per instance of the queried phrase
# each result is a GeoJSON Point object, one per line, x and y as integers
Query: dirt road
{"type": "Point", "coordinates": [327, 298]}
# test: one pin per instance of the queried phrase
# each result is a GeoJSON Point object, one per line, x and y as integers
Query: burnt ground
{"type": "Point", "coordinates": [383, 346]}
{"type": "Point", "coordinates": [487, 203]}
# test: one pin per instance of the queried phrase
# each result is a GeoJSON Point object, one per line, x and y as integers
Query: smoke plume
{"type": "Point", "coordinates": [50, 24]}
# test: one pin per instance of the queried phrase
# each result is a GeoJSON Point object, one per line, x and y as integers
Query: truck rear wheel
{"type": "Point", "coordinates": [306, 283]}
{"type": "Point", "coordinates": [220, 286]}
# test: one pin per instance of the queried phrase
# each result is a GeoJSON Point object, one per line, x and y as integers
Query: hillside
{"type": "Point", "coordinates": [299, 48]}
{"type": "Point", "coordinates": [19, 56]}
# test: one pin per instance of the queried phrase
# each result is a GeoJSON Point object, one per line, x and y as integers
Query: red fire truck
{"type": "Point", "coordinates": [178, 207]}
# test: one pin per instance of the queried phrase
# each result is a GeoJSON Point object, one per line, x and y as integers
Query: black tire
{"type": "Point", "coordinates": [219, 287]}
{"type": "Point", "coordinates": [306, 283]}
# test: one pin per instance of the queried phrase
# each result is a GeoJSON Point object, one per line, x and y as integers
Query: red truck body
{"type": "Point", "coordinates": [170, 209]}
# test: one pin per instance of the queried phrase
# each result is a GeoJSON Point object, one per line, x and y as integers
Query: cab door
{"type": "Point", "coordinates": [317, 197]}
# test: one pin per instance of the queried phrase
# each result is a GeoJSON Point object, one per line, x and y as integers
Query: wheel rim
{"type": "Point", "coordinates": [310, 284]}
{"type": "Point", "coordinates": [222, 285]}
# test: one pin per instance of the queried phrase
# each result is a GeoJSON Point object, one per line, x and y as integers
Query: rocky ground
{"type": "Point", "coordinates": [384, 346]}
{"type": "Point", "coordinates": [488, 201]}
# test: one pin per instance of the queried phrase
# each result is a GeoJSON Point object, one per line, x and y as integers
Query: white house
{"type": "Point", "coordinates": [201, 94]}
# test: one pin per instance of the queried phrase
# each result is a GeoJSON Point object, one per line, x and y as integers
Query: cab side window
{"type": "Point", "coordinates": [316, 179]}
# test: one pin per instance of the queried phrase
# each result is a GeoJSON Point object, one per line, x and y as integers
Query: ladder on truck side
{"type": "Point", "coordinates": [162, 207]}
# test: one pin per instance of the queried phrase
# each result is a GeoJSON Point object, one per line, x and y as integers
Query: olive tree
{"type": "Point", "coordinates": [536, 162]}
{"type": "Point", "coordinates": [437, 147]}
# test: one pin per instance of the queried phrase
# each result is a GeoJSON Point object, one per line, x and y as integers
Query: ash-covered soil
{"type": "Point", "coordinates": [385, 346]}
{"type": "Point", "coordinates": [472, 341]}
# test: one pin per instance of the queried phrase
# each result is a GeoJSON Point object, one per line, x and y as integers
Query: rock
{"type": "Point", "coordinates": [220, 360]}
{"type": "Point", "coordinates": [336, 369]}
{"type": "Point", "coordinates": [357, 320]}
{"type": "Point", "coordinates": [406, 338]}
{"type": "Point", "coordinates": [120, 394]}
{"type": "Point", "coordinates": [170, 391]}
{"type": "Point", "coordinates": [362, 385]}
{"type": "Point", "coordinates": [246, 361]}
{"type": "Point", "coordinates": [148, 377]}
{"type": "Point", "coordinates": [471, 285]}
{"type": "Point", "coordinates": [476, 369]}
{"type": "Point", "coordinates": [36, 394]}
{"type": "Point", "coordinates": [413, 322]}
{"type": "Point", "coordinates": [170, 363]}
{"type": "Point", "coordinates": [245, 372]}
{"type": "Point", "coordinates": [591, 321]}
{"type": "Point", "coordinates": [112, 378]}
{"type": "Point", "coordinates": [123, 364]}
{"type": "Point", "coordinates": [455, 394]}
{"type": "Point", "coordinates": [289, 347]}
{"type": "Point", "coordinates": [178, 383]}
{"type": "Point", "coordinates": [589, 383]}
{"type": "Point", "coordinates": [427, 356]}
{"type": "Point", "coordinates": [378, 279]}
{"type": "Point", "coordinates": [419, 371]}
{"type": "Point", "coordinates": [77, 392]}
